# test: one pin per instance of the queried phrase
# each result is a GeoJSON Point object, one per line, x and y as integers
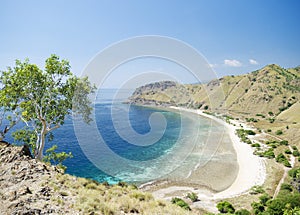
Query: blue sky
{"type": "Point", "coordinates": [234, 36]}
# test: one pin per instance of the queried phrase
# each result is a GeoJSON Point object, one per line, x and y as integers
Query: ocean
{"type": "Point", "coordinates": [179, 145]}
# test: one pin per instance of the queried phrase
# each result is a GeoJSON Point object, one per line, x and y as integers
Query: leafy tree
{"type": "Point", "coordinates": [43, 98]}
{"type": "Point", "coordinates": [258, 207]}
{"type": "Point", "coordinates": [292, 211]}
{"type": "Point", "coordinates": [282, 202]}
{"type": "Point", "coordinates": [225, 207]}
{"type": "Point", "coordinates": [264, 199]}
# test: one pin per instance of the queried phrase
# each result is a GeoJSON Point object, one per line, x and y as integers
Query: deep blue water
{"type": "Point", "coordinates": [81, 166]}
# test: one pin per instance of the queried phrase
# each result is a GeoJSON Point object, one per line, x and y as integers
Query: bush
{"type": "Point", "coordinates": [296, 153]}
{"type": "Point", "coordinates": [242, 212]}
{"type": "Point", "coordinates": [256, 189]}
{"type": "Point", "coordinates": [264, 199]}
{"type": "Point", "coordinates": [271, 120]}
{"type": "Point", "coordinates": [279, 132]}
{"type": "Point", "coordinates": [269, 154]}
{"type": "Point", "coordinates": [179, 202]}
{"type": "Point", "coordinates": [258, 207]}
{"type": "Point", "coordinates": [282, 159]}
{"type": "Point", "coordinates": [287, 187]}
{"type": "Point", "coordinates": [225, 207]}
{"type": "Point", "coordinates": [288, 152]}
{"type": "Point", "coordinates": [284, 142]}
{"type": "Point", "coordinates": [295, 173]}
{"type": "Point", "coordinates": [278, 205]}
{"type": "Point", "coordinates": [192, 196]}
{"type": "Point", "coordinates": [122, 184]}
{"type": "Point", "coordinates": [257, 145]}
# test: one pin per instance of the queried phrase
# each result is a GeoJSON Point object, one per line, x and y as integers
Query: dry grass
{"type": "Point", "coordinates": [96, 198]}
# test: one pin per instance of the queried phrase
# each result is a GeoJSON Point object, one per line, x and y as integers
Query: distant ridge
{"type": "Point", "coordinates": [272, 92]}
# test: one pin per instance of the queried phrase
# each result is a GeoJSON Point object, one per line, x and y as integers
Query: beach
{"type": "Point", "coordinates": [251, 169]}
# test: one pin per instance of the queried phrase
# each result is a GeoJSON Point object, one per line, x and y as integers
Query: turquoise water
{"type": "Point", "coordinates": [182, 143]}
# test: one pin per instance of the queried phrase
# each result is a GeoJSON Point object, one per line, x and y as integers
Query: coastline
{"type": "Point", "coordinates": [251, 169]}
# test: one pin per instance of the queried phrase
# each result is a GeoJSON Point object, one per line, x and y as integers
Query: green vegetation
{"type": "Point", "coordinates": [242, 212]}
{"type": "Point", "coordinates": [279, 132]}
{"type": "Point", "coordinates": [42, 99]}
{"type": "Point", "coordinates": [256, 190]}
{"type": "Point", "coordinates": [225, 207]}
{"type": "Point", "coordinates": [179, 202]}
{"type": "Point", "coordinates": [287, 202]}
{"type": "Point", "coordinates": [56, 158]}
{"type": "Point", "coordinates": [282, 159]}
{"type": "Point", "coordinates": [242, 133]}
{"type": "Point", "coordinates": [192, 196]}
{"type": "Point", "coordinates": [251, 120]}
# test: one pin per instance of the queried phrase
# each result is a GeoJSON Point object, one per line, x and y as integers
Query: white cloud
{"type": "Point", "coordinates": [233, 63]}
{"type": "Point", "coordinates": [253, 62]}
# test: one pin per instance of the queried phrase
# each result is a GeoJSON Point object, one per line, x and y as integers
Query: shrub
{"type": "Point", "coordinates": [256, 189]}
{"type": "Point", "coordinates": [282, 159]}
{"type": "Point", "coordinates": [264, 199]}
{"type": "Point", "coordinates": [242, 212]}
{"type": "Point", "coordinates": [278, 205]}
{"type": "Point", "coordinates": [257, 145]}
{"type": "Point", "coordinates": [122, 184]}
{"type": "Point", "coordinates": [296, 153]}
{"type": "Point", "coordinates": [279, 132]}
{"type": "Point", "coordinates": [288, 152]}
{"type": "Point", "coordinates": [250, 132]}
{"type": "Point", "coordinates": [284, 142]}
{"type": "Point", "coordinates": [179, 202]}
{"type": "Point", "coordinates": [269, 154]}
{"type": "Point", "coordinates": [192, 196]}
{"type": "Point", "coordinates": [271, 120]}
{"type": "Point", "coordinates": [258, 207]}
{"type": "Point", "coordinates": [225, 207]}
{"type": "Point", "coordinates": [287, 187]}
{"type": "Point", "coordinates": [295, 173]}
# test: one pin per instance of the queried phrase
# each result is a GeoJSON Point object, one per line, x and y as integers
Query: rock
{"type": "Point", "coordinates": [26, 151]}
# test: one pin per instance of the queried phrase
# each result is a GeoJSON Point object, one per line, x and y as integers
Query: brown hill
{"type": "Point", "coordinates": [268, 97]}
{"type": "Point", "coordinates": [28, 186]}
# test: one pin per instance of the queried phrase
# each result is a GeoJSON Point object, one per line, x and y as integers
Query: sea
{"type": "Point", "coordinates": [138, 144]}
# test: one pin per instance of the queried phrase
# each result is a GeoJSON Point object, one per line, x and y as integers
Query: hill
{"type": "Point", "coordinates": [268, 97]}
{"type": "Point", "coordinates": [32, 187]}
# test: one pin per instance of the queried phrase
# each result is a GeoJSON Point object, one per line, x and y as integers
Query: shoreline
{"type": "Point", "coordinates": [251, 171]}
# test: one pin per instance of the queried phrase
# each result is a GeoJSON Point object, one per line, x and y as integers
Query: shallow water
{"type": "Point", "coordinates": [188, 145]}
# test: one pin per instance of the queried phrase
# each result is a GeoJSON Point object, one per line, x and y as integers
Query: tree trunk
{"type": "Point", "coordinates": [40, 150]}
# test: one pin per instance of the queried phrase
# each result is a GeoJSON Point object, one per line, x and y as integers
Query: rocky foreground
{"type": "Point", "coordinates": [25, 184]}
{"type": "Point", "coordinates": [28, 186]}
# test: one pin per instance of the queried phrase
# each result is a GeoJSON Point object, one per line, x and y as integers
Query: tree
{"type": "Point", "coordinates": [43, 98]}
{"type": "Point", "coordinates": [225, 207]}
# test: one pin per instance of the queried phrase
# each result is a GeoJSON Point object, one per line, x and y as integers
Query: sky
{"type": "Point", "coordinates": [235, 37]}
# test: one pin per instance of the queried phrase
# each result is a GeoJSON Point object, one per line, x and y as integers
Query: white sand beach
{"type": "Point", "coordinates": [251, 168]}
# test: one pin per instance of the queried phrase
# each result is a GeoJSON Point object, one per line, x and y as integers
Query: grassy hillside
{"type": "Point", "coordinates": [32, 187]}
{"type": "Point", "coordinates": [268, 98]}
